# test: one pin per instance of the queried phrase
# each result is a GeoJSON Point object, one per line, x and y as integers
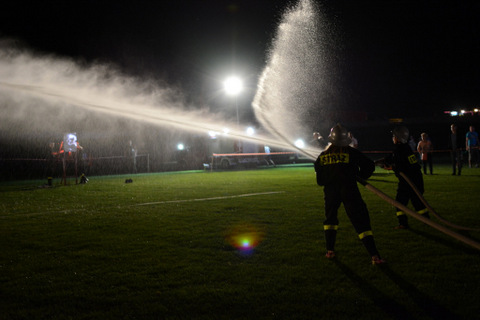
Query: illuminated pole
{"type": "Point", "coordinates": [236, 107]}
{"type": "Point", "coordinates": [233, 86]}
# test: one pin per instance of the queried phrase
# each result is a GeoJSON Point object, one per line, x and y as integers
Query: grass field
{"type": "Point", "coordinates": [163, 247]}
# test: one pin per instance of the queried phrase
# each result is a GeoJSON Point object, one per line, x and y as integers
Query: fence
{"type": "Point", "coordinates": [25, 168]}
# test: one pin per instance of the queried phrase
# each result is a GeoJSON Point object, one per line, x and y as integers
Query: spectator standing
{"type": "Point", "coordinates": [132, 151]}
{"type": "Point", "coordinates": [337, 169]}
{"type": "Point", "coordinates": [472, 146]}
{"type": "Point", "coordinates": [425, 149]}
{"type": "Point", "coordinates": [455, 146]}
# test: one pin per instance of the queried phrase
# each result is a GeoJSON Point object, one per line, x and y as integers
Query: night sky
{"type": "Point", "coordinates": [395, 58]}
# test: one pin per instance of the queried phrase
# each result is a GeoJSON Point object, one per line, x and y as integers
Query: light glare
{"type": "Point", "coordinates": [299, 143]}
{"type": "Point", "coordinates": [212, 134]}
{"type": "Point", "coordinates": [233, 85]}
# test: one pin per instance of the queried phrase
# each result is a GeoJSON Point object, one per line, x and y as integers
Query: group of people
{"type": "Point", "coordinates": [338, 168]}
{"type": "Point", "coordinates": [455, 145]}
{"type": "Point", "coordinates": [425, 149]}
{"type": "Point", "coordinates": [67, 149]}
{"type": "Point", "coordinates": [340, 165]}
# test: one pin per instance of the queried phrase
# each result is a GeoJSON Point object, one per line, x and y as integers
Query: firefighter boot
{"type": "Point", "coordinates": [402, 221]}
{"type": "Point", "coordinates": [330, 237]}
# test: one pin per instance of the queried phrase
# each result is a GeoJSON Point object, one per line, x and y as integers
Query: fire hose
{"type": "Point", "coordinates": [430, 209]}
{"type": "Point", "coordinates": [417, 216]}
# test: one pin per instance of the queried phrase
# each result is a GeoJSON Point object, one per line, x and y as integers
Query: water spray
{"type": "Point", "coordinates": [50, 82]}
{"type": "Point", "coordinates": [294, 77]}
{"type": "Point", "coordinates": [275, 91]}
{"type": "Point", "coordinates": [289, 85]}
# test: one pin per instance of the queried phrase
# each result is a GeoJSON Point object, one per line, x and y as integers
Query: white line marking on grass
{"type": "Point", "coordinates": [72, 210]}
{"type": "Point", "coordinates": [209, 199]}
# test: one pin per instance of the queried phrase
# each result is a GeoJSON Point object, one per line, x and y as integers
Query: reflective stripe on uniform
{"type": "Point", "coordinates": [365, 234]}
{"type": "Point", "coordinates": [423, 211]}
{"type": "Point", "coordinates": [330, 227]}
{"type": "Point", "coordinates": [412, 159]}
{"type": "Point", "coordinates": [334, 158]}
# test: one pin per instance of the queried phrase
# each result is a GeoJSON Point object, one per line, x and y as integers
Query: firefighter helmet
{"type": "Point", "coordinates": [401, 133]}
{"type": "Point", "coordinates": [339, 136]}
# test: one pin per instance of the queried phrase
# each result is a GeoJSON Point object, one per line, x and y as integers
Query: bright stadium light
{"type": "Point", "coordinates": [250, 131]}
{"type": "Point", "coordinates": [233, 86]}
{"type": "Point", "coordinates": [299, 143]}
{"type": "Point", "coordinates": [180, 146]}
{"type": "Point", "coordinates": [212, 134]}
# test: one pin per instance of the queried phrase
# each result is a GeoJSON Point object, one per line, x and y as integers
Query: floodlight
{"type": "Point", "coordinates": [233, 85]}
{"type": "Point", "coordinates": [299, 143]}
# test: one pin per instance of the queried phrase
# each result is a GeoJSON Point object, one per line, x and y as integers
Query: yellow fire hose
{"type": "Point", "coordinates": [417, 216]}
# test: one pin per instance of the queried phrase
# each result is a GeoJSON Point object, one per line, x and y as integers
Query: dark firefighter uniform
{"type": "Point", "coordinates": [404, 160]}
{"type": "Point", "coordinates": [337, 168]}
{"type": "Point", "coordinates": [455, 144]}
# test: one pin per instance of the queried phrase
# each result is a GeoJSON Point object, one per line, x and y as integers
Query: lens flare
{"type": "Point", "coordinates": [244, 238]}
{"type": "Point", "coordinates": [245, 241]}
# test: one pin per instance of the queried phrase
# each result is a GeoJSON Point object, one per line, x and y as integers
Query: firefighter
{"type": "Point", "coordinates": [336, 169]}
{"type": "Point", "coordinates": [403, 160]}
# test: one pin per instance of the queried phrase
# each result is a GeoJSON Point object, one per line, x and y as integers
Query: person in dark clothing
{"type": "Point", "coordinates": [403, 160]}
{"type": "Point", "coordinates": [337, 169]}
{"type": "Point", "coordinates": [455, 146]}
{"type": "Point", "coordinates": [318, 141]}
{"type": "Point", "coordinates": [50, 162]}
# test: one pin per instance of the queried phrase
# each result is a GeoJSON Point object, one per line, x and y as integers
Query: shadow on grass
{"type": "Point", "coordinates": [391, 307]}
{"type": "Point", "coordinates": [388, 305]}
{"type": "Point", "coordinates": [453, 243]}
{"type": "Point", "coordinates": [432, 308]}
